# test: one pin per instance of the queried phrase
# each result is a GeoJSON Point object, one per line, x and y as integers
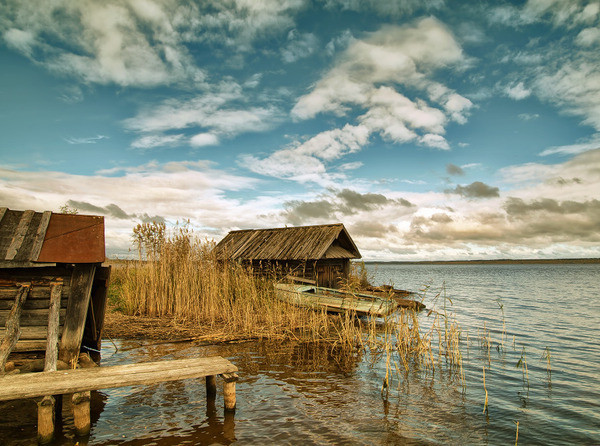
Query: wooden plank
{"type": "Point", "coordinates": [30, 345]}
{"type": "Point", "coordinates": [32, 318]}
{"type": "Point", "coordinates": [12, 331]}
{"type": "Point", "coordinates": [2, 212]}
{"type": "Point", "coordinates": [39, 332]}
{"type": "Point", "coordinates": [32, 303]}
{"type": "Point", "coordinates": [77, 308]}
{"type": "Point", "coordinates": [32, 385]}
{"type": "Point", "coordinates": [39, 236]}
{"type": "Point", "coordinates": [19, 235]}
{"type": "Point", "coordinates": [53, 328]}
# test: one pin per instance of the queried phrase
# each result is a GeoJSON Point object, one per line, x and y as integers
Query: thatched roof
{"type": "Point", "coordinates": [29, 238]}
{"type": "Point", "coordinates": [295, 243]}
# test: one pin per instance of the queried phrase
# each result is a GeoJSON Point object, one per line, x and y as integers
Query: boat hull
{"type": "Point", "coordinates": [335, 300]}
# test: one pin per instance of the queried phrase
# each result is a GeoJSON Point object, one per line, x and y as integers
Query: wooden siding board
{"type": "Point", "coordinates": [40, 235]}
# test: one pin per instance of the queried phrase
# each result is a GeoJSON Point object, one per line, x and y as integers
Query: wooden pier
{"type": "Point", "coordinates": [79, 383]}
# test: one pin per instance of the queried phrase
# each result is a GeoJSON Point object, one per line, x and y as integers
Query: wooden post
{"type": "Point", "coordinates": [46, 420]}
{"type": "Point", "coordinates": [53, 326]}
{"type": "Point", "coordinates": [13, 326]}
{"type": "Point", "coordinates": [81, 413]}
{"type": "Point", "coordinates": [211, 387]}
{"type": "Point", "coordinates": [46, 407]}
{"type": "Point", "coordinates": [229, 380]}
{"type": "Point", "coordinates": [77, 307]}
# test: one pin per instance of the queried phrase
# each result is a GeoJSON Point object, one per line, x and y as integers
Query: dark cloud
{"type": "Point", "coordinates": [338, 204]}
{"type": "Point", "coordinates": [112, 210]}
{"type": "Point", "coordinates": [372, 229]}
{"type": "Point", "coordinates": [536, 223]}
{"type": "Point", "coordinates": [475, 190]}
{"type": "Point", "coordinates": [299, 211]}
{"type": "Point", "coordinates": [518, 207]}
{"type": "Point", "coordinates": [452, 169]}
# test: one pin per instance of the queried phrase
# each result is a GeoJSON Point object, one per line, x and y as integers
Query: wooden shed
{"type": "Point", "coordinates": [44, 255]}
{"type": "Point", "coordinates": [320, 253]}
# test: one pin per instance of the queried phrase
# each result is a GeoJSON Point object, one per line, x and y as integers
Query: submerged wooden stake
{"type": "Point", "coordinates": [46, 420]}
{"type": "Point", "coordinates": [211, 386]}
{"type": "Point", "coordinates": [229, 380]}
{"type": "Point", "coordinates": [81, 413]}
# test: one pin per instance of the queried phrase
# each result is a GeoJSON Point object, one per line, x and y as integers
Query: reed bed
{"type": "Point", "coordinates": [177, 277]}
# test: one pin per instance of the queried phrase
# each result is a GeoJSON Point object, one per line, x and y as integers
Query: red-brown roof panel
{"type": "Point", "coordinates": [73, 239]}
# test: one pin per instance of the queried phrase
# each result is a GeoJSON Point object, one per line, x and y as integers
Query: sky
{"type": "Point", "coordinates": [434, 130]}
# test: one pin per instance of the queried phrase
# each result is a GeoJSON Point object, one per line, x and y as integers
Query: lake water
{"type": "Point", "coordinates": [297, 394]}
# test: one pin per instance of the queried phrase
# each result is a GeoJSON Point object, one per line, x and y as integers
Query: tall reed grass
{"type": "Point", "coordinates": [178, 276]}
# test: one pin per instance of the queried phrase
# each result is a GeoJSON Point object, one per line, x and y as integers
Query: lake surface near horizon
{"type": "Point", "coordinates": [292, 393]}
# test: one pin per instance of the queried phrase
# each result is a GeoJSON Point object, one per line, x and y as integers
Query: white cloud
{"type": "Point", "coordinates": [88, 140]}
{"type": "Point", "coordinates": [173, 191]}
{"type": "Point", "coordinates": [517, 91]}
{"type": "Point", "coordinates": [129, 44]}
{"type": "Point", "coordinates": [204, 139]}
{"type": "Point", "coordinates": [217, 115]}
{"type": "Point", "coordinates": [574, 149]}
{"type": "Point", "coordinates": [575, 88]}
{"type": "Point", "coordinates": [397, 57]}
{"type": "Point", "coordinates": [305, 162]}
{"type": "Point", "coordinates": [158, 140]}
{"type": "Point", "coordinates": [588, 37]}
{"type": "Point", "coordinates": [300, 45]}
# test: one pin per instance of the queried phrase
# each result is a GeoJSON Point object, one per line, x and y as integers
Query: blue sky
{"type": "Point", "coordinates": [431, 129]}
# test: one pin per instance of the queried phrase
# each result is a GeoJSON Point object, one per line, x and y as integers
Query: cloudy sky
{"type": "Point", "coordinates": [432, 129]}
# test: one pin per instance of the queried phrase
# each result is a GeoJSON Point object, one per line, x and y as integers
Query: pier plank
{"type": "Point", "coordinates": [32, 385]}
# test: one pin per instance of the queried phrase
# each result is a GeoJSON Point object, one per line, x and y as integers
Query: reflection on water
{"type": "Point", "coordinates": [294, 393]}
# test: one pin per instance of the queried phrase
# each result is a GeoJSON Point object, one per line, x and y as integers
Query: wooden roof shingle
{"type": "Point", "coordinates": [293, 243]}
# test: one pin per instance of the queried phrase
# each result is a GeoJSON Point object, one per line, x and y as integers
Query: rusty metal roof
{"type": "Point", "coordinates": [28, 238]}
{"type": "Point", "coordinates": [294, 243]}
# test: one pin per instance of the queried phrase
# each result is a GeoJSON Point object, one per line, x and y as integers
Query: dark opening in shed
{"type": "Point", "coordinates": [319, 253]}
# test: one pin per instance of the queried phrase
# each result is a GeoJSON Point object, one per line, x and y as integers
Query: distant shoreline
{"type": "Point", "coordinates": [484, 262]}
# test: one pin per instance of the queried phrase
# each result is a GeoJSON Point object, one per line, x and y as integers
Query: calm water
{"type": "Point", "coordinates": [294, 394]}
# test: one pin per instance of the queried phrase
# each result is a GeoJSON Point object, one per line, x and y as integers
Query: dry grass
{"type": "Point", "coordinates": [177, 280]}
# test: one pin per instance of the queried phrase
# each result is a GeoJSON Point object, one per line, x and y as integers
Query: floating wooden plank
{"type": "Point", "coordinates": [32, 385]}
{"type": "Point", "coordinates": [19, 235]}
{"type": "Point", "coordinates": [77, 307]}
{"type": "Point", "coordinates": [12, 332]}
{"type": "Point", "coordinates": [39, 236]}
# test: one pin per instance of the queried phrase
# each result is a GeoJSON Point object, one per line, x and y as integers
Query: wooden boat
{"type": "Point", "coordinates": [334, 300]}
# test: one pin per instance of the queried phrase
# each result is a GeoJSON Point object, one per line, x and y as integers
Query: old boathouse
{"type": "Point", "coordinates": [320, 253]}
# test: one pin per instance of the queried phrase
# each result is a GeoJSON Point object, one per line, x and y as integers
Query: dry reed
{"type": "Point", "coordinates": [178, 277]}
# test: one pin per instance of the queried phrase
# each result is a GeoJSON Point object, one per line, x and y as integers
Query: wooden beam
{"type": "Point", "coordinates": [19, 235]}
{"type": "Point", "coordinates": [39, 236]}
{"type": "Point", "coordinates": [13, 330]}
{"type": "Point", "coordinates": [2, 212]}
{"type": "Point", "coordinates": [53, 327]}
{"type": "Point", "coordinates": [77, 307]}
{"type": "Point", "coordinates": [32, 385]}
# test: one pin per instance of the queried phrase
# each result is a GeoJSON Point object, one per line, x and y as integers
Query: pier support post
{"type": "Point", "coordinates": [229, 380]}
{"type": "Point", "coordinates": [46, 420]}
{"type": "Point", "coordinates": [81, 413]}
{"type": "Point", "coordinates": [211, 386]}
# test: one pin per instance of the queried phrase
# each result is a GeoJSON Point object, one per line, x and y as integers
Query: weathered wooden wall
{"type": "Point", "coordinates": [34, 318]}
{"type": "Point", "coordinates": [328, 273]}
